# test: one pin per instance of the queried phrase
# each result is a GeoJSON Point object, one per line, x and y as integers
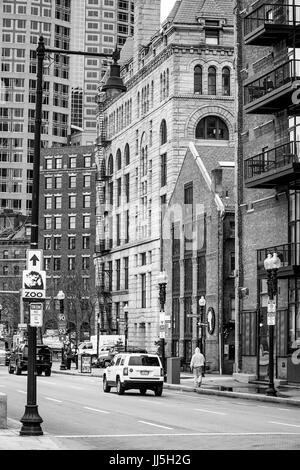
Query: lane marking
{"type": "Point", "coordinates": [285, 424]}
{"type": "Point", "coordinates": [53, 399]}
{"type": "Point", "coordinates": [208, 411]}
{"type": "Point", "coordinates": [95, 409]}
{"type": "Point", "coordinates": [213, 434]}
{"type": "Point", "coordinates": [151, 401]}
{"type": "Point", "coordinates": [284, 409]}
{"type": "Point", "coordinates": [157, 425]}
{"type": "Point", "coordinates": [21, 391]}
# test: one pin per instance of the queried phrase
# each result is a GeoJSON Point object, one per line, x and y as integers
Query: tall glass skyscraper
{"type": "Point", "coordinates": [21, 24]}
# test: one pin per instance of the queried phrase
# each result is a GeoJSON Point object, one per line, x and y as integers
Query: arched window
{"type": "Point", "coordinates": [110, 166]}
{"type": "Point", "coordinates": [127, 154]}
{"type": "Point", "coordinates": [118, 159]}
{"type": "Point", "coordinates": [163, 132]}
{"type": "Point", "coordinates": [138, 105]}
{"type": "Point", "coordinates": [198, 79]}
{"type": "Point", "coordinates": [212, 127]}
{"type": "Point", "coordinates": [226, 81]}
{"type": "Point", "coordinates": [212, 81]}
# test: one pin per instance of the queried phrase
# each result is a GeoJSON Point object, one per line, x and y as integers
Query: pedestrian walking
{"type": "Point", "coordinates": [197, 364]}
{"type": "Point", "coordinates": [69, 355]}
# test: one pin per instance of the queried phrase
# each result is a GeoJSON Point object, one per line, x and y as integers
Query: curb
{"type": "Point", "coordinates": [207, 391]}
{"type": "Point", "coordinates": [245, 396]}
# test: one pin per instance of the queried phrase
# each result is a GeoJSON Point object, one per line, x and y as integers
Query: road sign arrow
{"type": "Point", "coordinates": [34, 260]}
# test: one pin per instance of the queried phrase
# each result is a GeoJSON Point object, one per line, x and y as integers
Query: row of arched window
{"type": "Point", "coordinates": [210, 127]}
{"type": "Point", "coordinates": [110, 165]}
{"type": "Point", "coordinates": [119, 119]}
{"type": "Point", "coordinates": [211, 80]}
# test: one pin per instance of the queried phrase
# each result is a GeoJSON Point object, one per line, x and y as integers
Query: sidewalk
{"type": "Point", "coordinates": [212, 384]}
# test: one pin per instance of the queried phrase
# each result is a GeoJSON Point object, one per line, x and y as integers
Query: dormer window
{"type": "Point", "coordinates": [212, 32]}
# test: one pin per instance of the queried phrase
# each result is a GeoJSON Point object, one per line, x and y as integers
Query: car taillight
{"type": "Point", "coordinates": [161, 372]}
{"type": "Point", "coordinates": [125, 371]}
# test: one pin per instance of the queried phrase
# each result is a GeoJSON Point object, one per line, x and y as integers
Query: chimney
{"type": "Point", "coordinates": [146, 24]}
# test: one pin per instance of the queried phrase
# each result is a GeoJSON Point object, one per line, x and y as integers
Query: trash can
{"type": "Point", "coordinates": [86, 364]}
{"type": "Point", "coordinates": [173, 370]}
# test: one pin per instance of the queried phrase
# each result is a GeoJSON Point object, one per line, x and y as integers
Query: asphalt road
{"type": "Point", "coordinates": [77, 414]}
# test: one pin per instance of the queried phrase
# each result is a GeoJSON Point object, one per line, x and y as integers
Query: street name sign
{"type": "Point", "coordinates": [36, 314]}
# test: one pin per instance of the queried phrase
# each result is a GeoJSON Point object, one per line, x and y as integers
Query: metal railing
{"type": "Point", "coordinates": [267, 83]}
{"type": "Point", "coordinates": [289, 254]}
{"type": "Point", "coordinates": [272, 159]}
{"type": "Point", "coordinates": [283, 14]}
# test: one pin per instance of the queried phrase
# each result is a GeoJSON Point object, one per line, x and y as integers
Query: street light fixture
{"type": "Point", "coordinates": [162, 283]}
{"type": "Point", "coordinates": [271, 265]}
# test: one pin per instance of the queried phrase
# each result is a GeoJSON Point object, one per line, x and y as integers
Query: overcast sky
{"type": "Point", "coordinates": [166, 7]}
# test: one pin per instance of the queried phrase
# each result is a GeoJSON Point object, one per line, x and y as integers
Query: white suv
{"type": "Point", "coordinates": [134, 371]}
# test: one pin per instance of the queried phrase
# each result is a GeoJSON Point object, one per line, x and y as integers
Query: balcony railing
{"type": "Point", "coordinates": [275, 166]}
{"type": "Point", "coordinates": [272, 92]}
{"type": "Point", "coordinates": [288, 253]}
{"type": "Point", "coordinates": [104, 246]}
{"type": "Point", "coordinates": [102, 139]}
{"type": "Point", "coordinates": [271, 23]}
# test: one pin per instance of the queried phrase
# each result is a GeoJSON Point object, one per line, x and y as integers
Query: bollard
{"type": "Point", "coordinates": [3, 411]}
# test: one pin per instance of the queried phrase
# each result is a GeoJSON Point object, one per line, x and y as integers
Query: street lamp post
{"type": "Point", "coordinates": [31, 420]}
{"type": "Point", "coordinates": [61, 297]}
{"type": "Point", "coordinates": [271, 265]}
{"type": "Point", "coordinates": [125, 310]}
{"type": "Point", "coordinates": [201, 343]}
{"type": "Point", "coordinates": [162, 283]}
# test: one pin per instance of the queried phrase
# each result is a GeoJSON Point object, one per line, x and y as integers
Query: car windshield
{"type": "Point", "coordinates": [143, 361]}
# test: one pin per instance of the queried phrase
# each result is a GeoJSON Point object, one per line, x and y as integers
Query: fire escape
{"type": "Point", "coordinates": [103, 237]}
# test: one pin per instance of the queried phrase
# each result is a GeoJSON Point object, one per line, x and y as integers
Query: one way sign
{"type": "Point", "coordinates": [34, 260]}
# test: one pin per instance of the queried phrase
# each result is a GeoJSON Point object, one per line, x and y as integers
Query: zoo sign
{"type": "Point", "coordinates": [34, 285]}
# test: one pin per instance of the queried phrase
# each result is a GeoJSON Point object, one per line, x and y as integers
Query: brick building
{"type": "Point", "coordinates": [67, 234]}
{"type": "Point", "coordinates": [15, 232]}
{"type": "Point", "coordinates": [177, 87]}
{"type": "Point", "coordinates": [268, 191]}
{"type": "Point", "coordinates": [199, 257]}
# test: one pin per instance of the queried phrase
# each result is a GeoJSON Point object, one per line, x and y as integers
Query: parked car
{"type": "Point", "coordinates": [4, 356]}
{"type": "Point", "coordinates": [105, 356]}
{"type": "Point", "coordinates": [134, 371]}
{"type": "Point", "coordinates": [18, 361]}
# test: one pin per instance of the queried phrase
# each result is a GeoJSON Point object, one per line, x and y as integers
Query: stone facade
{"type": "Point", "coordinates": [157, 117]}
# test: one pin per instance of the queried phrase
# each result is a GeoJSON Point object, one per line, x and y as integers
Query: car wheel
{"type": "Point", "coordinates": [39, 371]}
{"type": "Point", "coordinates": [48, 372]}
{"type": "Point", "coordinates": [143, 391]}
{"type": "Point", "coordinates": [10, 370]}
{"type": "Point", "coordinates": [106, 387]}
{"type": "Point", "coordinates": [120, 388]}
{"type": "Point", "coordinates": [158, 391]}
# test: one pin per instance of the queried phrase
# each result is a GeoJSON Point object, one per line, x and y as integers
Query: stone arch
{"type": "Point", "coordinates": [209, 110]}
